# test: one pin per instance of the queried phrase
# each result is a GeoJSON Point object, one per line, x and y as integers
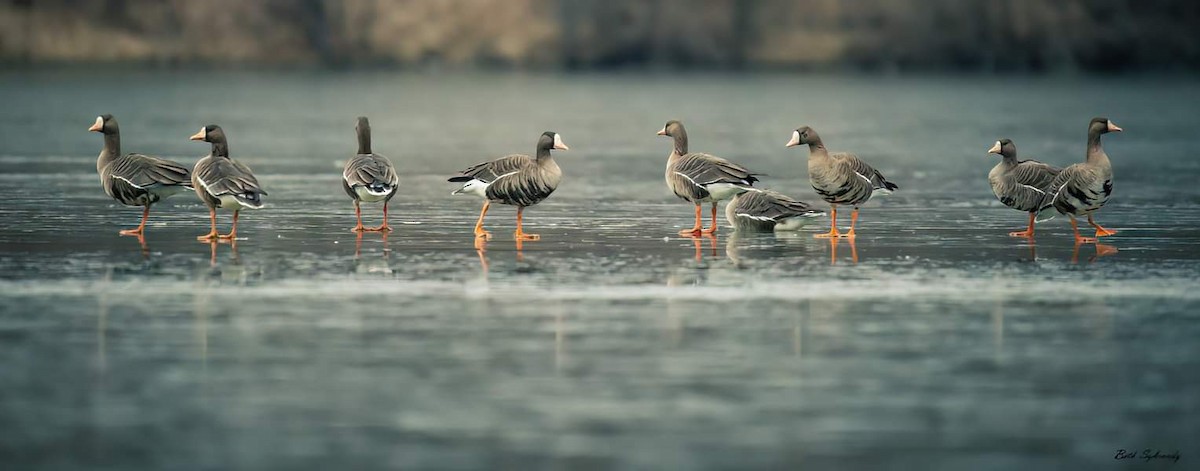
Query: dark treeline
{"type": "Point", "coordinates": [892, 35]}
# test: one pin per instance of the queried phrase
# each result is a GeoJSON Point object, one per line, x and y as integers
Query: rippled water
{"type": "Point", "coordinates": [933, 342]}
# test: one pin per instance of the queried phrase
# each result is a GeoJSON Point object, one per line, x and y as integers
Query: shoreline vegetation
{"type": "Point", "coordinates": [873, 36]}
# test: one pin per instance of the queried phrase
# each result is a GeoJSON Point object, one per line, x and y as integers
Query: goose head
{"type": "Point", "coordinates": [210, 133]}
{"type": "Point", "coordinates": [550, 140]}
{"type": "Point", "coordinates": [803, 135]}
{"type": "Point", "coordinates": [1103, 126]}
{"type": "Point", "coordinates": [1004, 147]}
{"type": "Point", "coordinates": [105, 123]}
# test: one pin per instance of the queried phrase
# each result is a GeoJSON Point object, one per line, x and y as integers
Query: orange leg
{"type": "Point", "coordinates": [1100, 231]}
{"type": "Point", "coordinates": [232, 231]}
{"type": "Point", "coordinates": [853, 221]}
{"type": "Point", "coordinates": [1078, 238]}
{"type": "Point", "coordinates": [141, 227]}
{"type": "Point", "coordinates": [695, 231]}
{"type": "Point", "coordinates": [479, 232]}
{"type": "Point", "coordinates": [358, 216]}
{"type": "Point", "coordinates": [833, 232]}
{"type": "Point", "coordinates": [212, 235]}
{"type": "Point", "coordinates": [1028, 233]}
{"type": "Point", "coordinates": [382, 227]}
{"type": "Point", "coordinates": [522, 235]}
{"type": "Point", "coordinates": [712, 229]}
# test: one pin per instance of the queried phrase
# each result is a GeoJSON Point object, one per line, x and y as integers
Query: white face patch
{"type": "Point", "coordinates": [795, 139]}
{"type": "Point", "coordinates": [99, 122]}
{"type": "Point", "coordinates": [995, 148]}
{"type": "Point", "coordinates": [558, 143]}
{"type": "Point", "coordinates": [203, 132]}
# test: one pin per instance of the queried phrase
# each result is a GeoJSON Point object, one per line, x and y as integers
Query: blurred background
{"type": "Point", "coordinates": [874, 35]}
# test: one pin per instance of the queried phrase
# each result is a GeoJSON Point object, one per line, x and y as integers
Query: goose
{"type": "Point", "coordinates": [840, 178]}
{"type": "Point", "coordinates": [517, 179]}
{"type": "Point", "coordinates": [1020, 185]}
{"type": "Point", "coordinates": [702, 178]}
{"type": "Point", "coordinates": [222, 182]}
{"type": "Point", "coordinates": [369, 177]}
{"type": "Point", "coordinates": [1082, 189]}
{"type": "Point", "coordinates": [766, 211]}
{"type": "Point", "coordinates": [135, 179]}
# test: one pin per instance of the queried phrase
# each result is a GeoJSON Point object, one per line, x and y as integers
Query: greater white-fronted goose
{"type": "Point", "coordinates": [135, 179]}
{"type": "Point", "coordinates": [517, 179]}
{"type": "Point", "coordinates": [369, 177]}
{"type": "Point", "coordinates": [840, 178]}
{"type": "Point", "coordinates": [701, 178]}
{"type": "Point", "coordinates": [222, 182]}
{"type": "Point", "coordinates": [1082, 189]}
{"type": "Point", "coordinates": [1021, 184]}
{"type": "Point", "coordinates": [765, 211]}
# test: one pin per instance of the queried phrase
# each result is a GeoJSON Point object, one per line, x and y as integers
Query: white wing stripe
{"type": "Point", "coordinates": [689, 179]}
{"type": "Point", "coordinates": [126, 180]}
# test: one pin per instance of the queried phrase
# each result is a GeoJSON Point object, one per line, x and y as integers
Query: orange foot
{"type": "Point", "coordinates": [832, 234]}
{"type": "Point", "coordinates": [693, 232]}
{"type": "Point", "coordinates": [518, 235]}
{"type": "Point", "coordinates": [1084, 240]}
{"type": "Point", "coordinates": [211, 236]}
{"type": "Point", "coordinates": [359, 228]}
{"type": "Point", "coordinates": [1025, 233]}
{"type": "Point", "coordinates": [132, 232]}
{"type": "Point", "coordinates": [848, 235]}
{"type": "Point", "coordinates": [381, 228]}
{"type": "Point", "coordinates": [709, 231]}
{"type": "Point", "coordinates": [1102, 232]}
{"type": "Point", "coordinates": [482, 234]}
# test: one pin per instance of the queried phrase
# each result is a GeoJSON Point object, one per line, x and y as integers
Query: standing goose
{"type": "Point", "coordinates": [1021, 184]}
{"type": "Point", "coordinates": [369, 177]}
{"type": "Point", "coordinates": [840, 178]}
{"type": "Point", "coordinates": [1082, 189]}
{"type": "Point", "coordinates": [701, 178]}
{"type": "Point", "coordinates": [517, 179]}
{"type": "Point", "coordinates": [222, 182]}
{"type": "Point", "coordinates": [135, 179]}
{"type": "Point", "coordinates": [765, 211]}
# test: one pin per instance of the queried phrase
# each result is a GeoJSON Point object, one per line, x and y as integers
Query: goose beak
{"type": "Point", "coordinates": [1113, 128]}
{"type": "Point", "coordinates": [200, 135]}
{"type": "Point", "coordinates": [662, 132]}
{"type": "Point", "coordinates": [995, 148]}
{"type": "Point", "coordinates": [795, 141]}
{"type": "Point", "coordinates": [99, 125]}
{"type": "Point", "coordinates": [558, 143]}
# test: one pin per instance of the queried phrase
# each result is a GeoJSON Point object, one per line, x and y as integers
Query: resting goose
{"type": "Point", "coordinates": [765, 211]}
{"type": "Point", "coordinates": [135, 179]}
{"type": "Point", "coordinates": [1082, 189]}
{"type": "Point", "coordinates": [369, 177]}
{"type": "Point", "coordinates": [517, 179]}
{"type": "Point", "coordinates": [1021, 184]}
{"type": "Point", "coordinates": [222, 182]}
{"type": "Point", "coordinates": [840, 178]}
{"type": "Point", "coordinates": [702, 178]}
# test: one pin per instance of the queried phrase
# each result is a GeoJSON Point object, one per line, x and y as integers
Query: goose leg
{"type": "Point", "coordinates": [1027, 232]}
{"type": "Point", "coordinates": [522, 235]}
{"type": "Point", "coordinates": [1100, 231]}
{"type": "Point", "coordinates": [1078, 238]}
{"type": "Point", "coordinates": [382, 227]}
{"type": "Point", "coordinates": [141, 227]}
{"type": "Point", "coordinates": [853, 221]}
{"type": "Point", "coordinates": [232, 231]}
{"type": "Point", "coordinates": [358, 216]}
{"type": "Point", "coordinates": [833, 232]}
{"type": "Point", "coordinates": [696, 229]}
{"type": "Point", "coordinates": [212, 234]}
{"type": "Point", "coordinates": [479, 232]}
{"type": "Point", "coordinates": [712, 229]}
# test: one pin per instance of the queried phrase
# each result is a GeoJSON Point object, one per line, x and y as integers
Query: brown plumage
{"type": "Point", "coordinates": [1020, 185]}
{"type": "Point", "coordinates": [135, 179]}
{"type": "Point", "coordinates": [369, 177]}
{"type": "Point", "coordinates": [222, 182]}
{"type": "Point", "coordinates": [765, 210]}
{"type": "Point", "coordinates": [1083, 188]}
{"type": "Point", "coordinates": [517, 179]}
{"type": "Point", "coordinates": [839, 178]}
{"type": "Point", "coordinates": [701, 178]}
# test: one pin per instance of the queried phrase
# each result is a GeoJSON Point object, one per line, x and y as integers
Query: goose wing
{"type": "Point", "coordinates": [224, 176]}
{"type": "Point", "coordinates": [705, 169]}
{"type": "Point", "coordinates": [370, 170]}
{"type": "Point", "coordinates": [143, 171]}
{"type": "Point", "coordinates": [1036, 174]}
{"type": "Point", "coordinates": [491, 170]}
{"type": "Point", "coordinates": [767, 205]}
{"type": "Point", "coordinates": [848, 162]}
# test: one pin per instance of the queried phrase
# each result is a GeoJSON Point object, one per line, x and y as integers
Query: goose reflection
{"type": "Point", "coordinates": [743, 246]}
{"type": "Point", "coordinates": [833, 248]}
{"type": "Point", "coordinates": [1102, 250]}
{"type": "Point", "coordinates": [381, 264]}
